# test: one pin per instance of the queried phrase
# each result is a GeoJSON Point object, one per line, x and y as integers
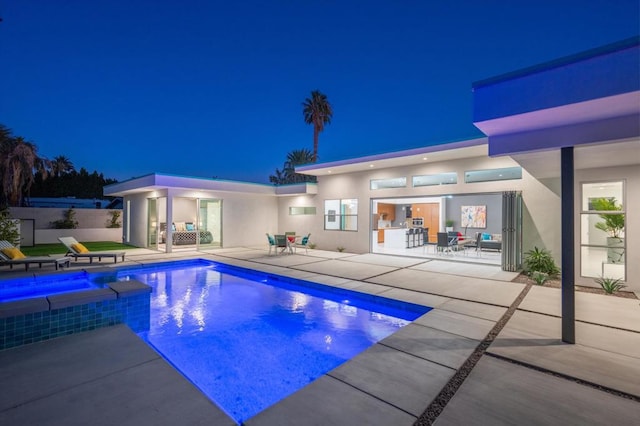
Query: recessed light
{"type": "Point", "coordinates": [424, 158]}
{"type": "Point", "coordinates": [328, 171]}
{"type": "Point", "coordinates": [370, 165]}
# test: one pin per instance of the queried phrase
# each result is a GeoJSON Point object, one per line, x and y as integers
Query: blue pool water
{"type": "Point", "coordinates": [46, 285]}
{"type": "Point", "coordinates": [247, 339]}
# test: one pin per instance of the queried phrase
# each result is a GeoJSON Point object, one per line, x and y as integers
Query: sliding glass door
{"type": "Point", "coordinates": [209, 223]}
{"type": "Point", "coordinates": [511, 231]}
{"type": "Point", "coordinates": [153, 237]}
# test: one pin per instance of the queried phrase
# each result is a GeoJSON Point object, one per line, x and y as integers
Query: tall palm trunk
{"type": "Point", "coordinates": [316, 133]}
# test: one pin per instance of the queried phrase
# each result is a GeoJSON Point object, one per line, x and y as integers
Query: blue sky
{"type": "Point", "coordinates": [214, 88]}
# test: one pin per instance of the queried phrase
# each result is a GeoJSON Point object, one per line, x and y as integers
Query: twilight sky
{"type": "Point", "coordinates": [215, 88]}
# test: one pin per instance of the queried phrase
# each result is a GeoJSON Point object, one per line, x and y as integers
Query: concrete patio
{"type": "Point", "coordinates": [526, 375]}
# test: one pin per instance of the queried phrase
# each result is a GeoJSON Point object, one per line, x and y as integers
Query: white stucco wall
{"type": "Point", "coordinates": [541, 220]}
{"type": "Point", "coordinates": [50, 236]}
{"type": "Point", "coordinates": [245, 217]}
{"type": "Point", "coordinates": [43, 216]}
{"type": "Point", "coordinates": [92, 224]}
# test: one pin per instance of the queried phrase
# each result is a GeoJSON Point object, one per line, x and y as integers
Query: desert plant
{"type": "Point", "coordinates": [540, 260]}
{"type": "Point", "coordinates": [610, 285]}
{"type": "Point", "coordinates": [8, 228]}
{"type": "Point", "coordinates": [113, 221]}
{"type": "Point", "coordinates": [69, 221]}
{"type": "Point", "coordinates": [340, 249]}
{"type": "Point", "coordinates": [539, 277]}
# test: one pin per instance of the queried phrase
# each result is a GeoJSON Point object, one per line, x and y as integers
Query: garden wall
{"type": "Point", "coordinates": [92, 224]}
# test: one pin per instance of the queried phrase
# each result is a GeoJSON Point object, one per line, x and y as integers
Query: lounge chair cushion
{"type": "Point", "coordinates": [13, 253]}
{"type": "Point", "coordinates": [79, 248]}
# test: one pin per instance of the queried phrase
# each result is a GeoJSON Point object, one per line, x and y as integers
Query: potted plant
{"type": "Point", "coordinates": [449, 225]}
{"type": "Point", "coordinates": [612, 224]}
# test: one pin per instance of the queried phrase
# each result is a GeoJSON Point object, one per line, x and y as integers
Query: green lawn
{"type": "Point", "coordinates": [59, 248]}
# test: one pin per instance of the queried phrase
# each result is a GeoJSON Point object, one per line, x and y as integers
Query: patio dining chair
{"type": "Point", "coordinates": [291, 236]}
{"type": "Point", "coordinates": [304, 242]}
{"type": "Point", "coordinates": [282, 243]}
{"type": "Point", "coordinates": [272, 243]}
{"type": "Point", "coordinates": [443, 243]}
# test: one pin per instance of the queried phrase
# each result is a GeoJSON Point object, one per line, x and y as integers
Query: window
{"type": "Point", "coordinates": [507, 173]}
{"type": "Point", "coordinates": [341, 215]}
{"type": "Point", "coordinates": [388, 183]}
{"type": "Point", "coordinates": [293, 211]}
{"type": "Point", "coordinates": [602, 230]}
{"type": "Point", "coordinates": [439, 179]}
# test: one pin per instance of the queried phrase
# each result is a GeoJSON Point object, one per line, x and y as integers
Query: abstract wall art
{"type": "Point", "coordinates": [474, 217]}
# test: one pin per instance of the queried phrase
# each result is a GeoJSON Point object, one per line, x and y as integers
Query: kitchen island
{"type": "Point", "coordinates": [395, 237]}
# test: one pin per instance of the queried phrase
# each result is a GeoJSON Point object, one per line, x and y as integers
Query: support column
{"type": "Point", "coordinates": [169, 232]}
{"type": "Point", "coordinates": [568, 246]}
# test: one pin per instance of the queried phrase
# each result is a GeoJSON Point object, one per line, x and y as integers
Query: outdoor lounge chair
{"type": "Point", "coordinates": [77, 250]}
{"type": "Point", "coordinates": [11, 255]}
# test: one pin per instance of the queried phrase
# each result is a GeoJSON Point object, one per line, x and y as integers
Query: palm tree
{"type": "Point", "coordinates": [61, 165]}
{"type": "Point", "coordinates": [277, 178]}
{"type": "Point", "coordinates": [297, 157]}
{"type": "Point", "coordinates": [19, 161]}
{"type": "Point", "coordinates": [317, 111]}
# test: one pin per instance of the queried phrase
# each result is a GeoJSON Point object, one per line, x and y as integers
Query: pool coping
{"type": "Point", "coordinates": [114, 290]}
{"type": "Point", "coordinates": [310, 404]}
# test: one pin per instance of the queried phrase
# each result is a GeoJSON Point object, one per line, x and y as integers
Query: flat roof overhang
{"type": "Point", "coordinates": [159, 182]}
{"type": "Point", "coordinates": [429, 154]}
{"type": "Point", "coordinates": [591, 97]}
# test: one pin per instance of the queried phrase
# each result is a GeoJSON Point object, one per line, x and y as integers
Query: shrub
{"type": "Point", "coordinates": [8, 228]}
{"type": "Point", "coordinates": [340, 249]}
{"type": "Point", "coordinates": [540, 260]}
{"type": "Point", "coordinates": [610, 285]}
{"type": "Point", "coordinates": [539, 277]}
{"type": "Point", "coordinates": [69, 221]}
{"type": "Point", "coordinates": [312, 245]}
{"type": "Point", "coordinates": [113, 221]}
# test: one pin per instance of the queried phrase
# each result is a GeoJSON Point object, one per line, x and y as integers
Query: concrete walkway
{"type": "Point", "coordinates": [526, 375]}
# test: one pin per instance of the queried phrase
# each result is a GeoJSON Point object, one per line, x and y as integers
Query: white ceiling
{"type": "Point", "coordinates": [546, 164]}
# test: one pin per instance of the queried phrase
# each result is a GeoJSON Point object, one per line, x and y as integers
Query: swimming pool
{"type": "Point", "coordinates": [248, 339]}
{"type": "Point", "coordinates": [45, 285]}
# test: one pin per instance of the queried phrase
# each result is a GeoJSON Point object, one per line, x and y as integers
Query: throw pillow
{"type": "Point", "coordinates": [190, 227]}
{"type": "Point", "coordinates": [486, 236]}
{"type": "Point", "coordinates": [79, 248]}
{"type": "Point", "coordinates": [13, 253]}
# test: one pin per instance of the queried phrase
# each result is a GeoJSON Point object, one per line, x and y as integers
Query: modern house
{"type": "Point", "coordinates": [559, 169]}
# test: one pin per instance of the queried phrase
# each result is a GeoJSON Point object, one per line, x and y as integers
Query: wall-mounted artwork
{"type": "Point", "coordinates": [474, 217]}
